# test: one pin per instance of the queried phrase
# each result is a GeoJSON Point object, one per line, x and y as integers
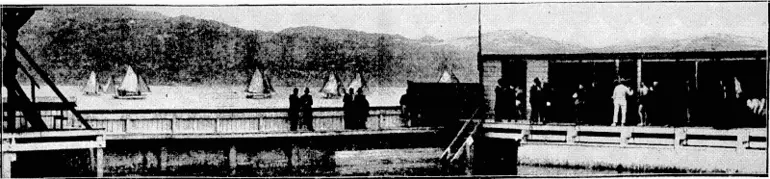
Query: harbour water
{"type": "Point", "coordinates": [374, 162]}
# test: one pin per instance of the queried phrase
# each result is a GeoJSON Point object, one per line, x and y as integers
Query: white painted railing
{"type": "Point", "coordinates": [743, 138]}
{"type": "Point", "coordinates": [213, 121]}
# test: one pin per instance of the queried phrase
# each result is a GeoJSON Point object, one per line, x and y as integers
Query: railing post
{"type": "Point", "coordinates": [379, 124]}
{"type": "Point", "coordinates": [743, 140]}
{"type": "Point", "coordinates": [6, 165]}
{"type": "Point", "coordinates": [128, 125]}
{"type": "Point", "coordinates": [173, 125]}
{"type": "Point", "coordinates": [162, 159]}
{"type": "Point", "coordinates": [216, 125]}
{"type": "Point", "coordinates": [680, 137]}
{"type": "Point", "coordinates": [232, 160]}
{"type": "Point", "coordinates": [571, 135]}
{"type": "Point", "coordinates": [625, 136]}
{"type": "Point", "coordinates": [525, 135]}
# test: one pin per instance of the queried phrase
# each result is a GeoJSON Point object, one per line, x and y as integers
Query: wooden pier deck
{"type": "Point", "coordinates": [237, 123]}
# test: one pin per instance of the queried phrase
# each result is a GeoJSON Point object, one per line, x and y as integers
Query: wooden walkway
{"type": "Point", "coordinates": [742, 138]}
{"type": "Point", "coordinates": [237, 123]}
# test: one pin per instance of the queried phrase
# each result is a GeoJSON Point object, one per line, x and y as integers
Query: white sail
{"type": "Point", "coordinates": [358, 82]}
{"type": "Point", "coordinates": [133, 82]}
{"type": "Point", "coordinates": [257, 83]}
{"type": "Point", "coordinates": [91, 87]}
{"type": "Point", "coordinates": [130, 82]}
{"type": "Point", "coordinates": [331, 86]}
{"type": "Point", "coordinates": [448, 77]}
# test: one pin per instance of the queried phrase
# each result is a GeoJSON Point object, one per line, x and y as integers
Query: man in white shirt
{"type": "Point", "coordinates": [619, 100]}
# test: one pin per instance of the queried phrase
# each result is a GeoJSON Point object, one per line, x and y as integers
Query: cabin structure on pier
{"type": "Point", "coordinates": [36, 134]}
{"type": "Point", "coordinates": [687, 77]}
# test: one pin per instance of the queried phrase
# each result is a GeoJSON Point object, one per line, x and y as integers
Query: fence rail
{"type": "Point", "coordinates": [215, 121]}
{"type": "Point", "coordinates": [744, 138]}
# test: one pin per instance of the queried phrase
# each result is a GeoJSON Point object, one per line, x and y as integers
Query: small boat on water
{"type": "Point", "coordinates": [332, 87]}
{"type": "Point", "coordinates": [448, 77]}
{"type": "Point", "coordinates": [91, 88]}
{"type": "Point", "coordinates": [357, 82]}
{"type": "Point", "coordinates": [133, 86]}
{"type": "Point", "coordinates": [259, 86]}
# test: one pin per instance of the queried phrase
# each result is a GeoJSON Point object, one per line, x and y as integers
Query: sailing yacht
{"type": "Point", "coordinates": [259, 86]}
{"type": "Point", "coordinates": [448, 77]}
{"type": "Point", "coordinates": [132, 86]}
{"type": "Point", "coordinates": [91, 89]}
{"type": "Point", "coordinates": [331, 88]}
{"type": "Point", "coordinates": [358, 82]}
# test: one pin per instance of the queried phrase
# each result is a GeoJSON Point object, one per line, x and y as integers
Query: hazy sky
{"type": "Point", "coordinates": [588, 24]}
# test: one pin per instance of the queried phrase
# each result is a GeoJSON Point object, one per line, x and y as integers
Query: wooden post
{"type": "Point", "coordinates": [128, 125]}
{"type": "Point", "coordinates": [99, 156]}
{"type": "Point", "coordinates": [571, 135]}
{"type": "Point", "coordinates": [146, 159]}
{"type": "Point", "coordinates": [216, 125]}
{"type": "Point", "coordinates": [638, 73]}
{"type": "Point", "coordinates": [173, 125]}
{"type": "Point", "coordinates": [625, 136]}
{"type": "Point", "coordinates": [232, 160]}
{"type": "Point", "coordinates": [680, 137]}
{"type": "Point", "coordinates": [162, 159]}
{"type": "Point", "coordinates": [8, 158]}
{"type": "Point", "coordinates": [524, 135]}
{"type": "Point", "coordinates": [743, 140]}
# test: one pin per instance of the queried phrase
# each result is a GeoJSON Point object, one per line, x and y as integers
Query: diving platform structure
{"type": "Point", "coordinates": [30, 126]}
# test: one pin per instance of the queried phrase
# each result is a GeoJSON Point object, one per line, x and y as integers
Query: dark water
{"type": "Point", "coordinates": [310, 162]}
{"type": "Point", "coordinates": [305, 161]}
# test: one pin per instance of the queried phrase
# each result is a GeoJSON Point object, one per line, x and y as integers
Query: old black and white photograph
{"type": "Point", "coordinates": [368, 89]}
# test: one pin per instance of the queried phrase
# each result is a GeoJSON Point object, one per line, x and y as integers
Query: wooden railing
{"type": "Point", "coordinates": [213, 121]}
{"type": "Point", "coordinates": [744, 138]}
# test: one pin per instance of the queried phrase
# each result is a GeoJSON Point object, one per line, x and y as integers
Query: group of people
{"type": "Point", "coordinates": [675, 104]}
{"type": "Point", "coordinates": [356, 109]}
{"type": "Point", "coordinates": [301, 107]}
{"type": "Point", "coordinates": [509, 109]}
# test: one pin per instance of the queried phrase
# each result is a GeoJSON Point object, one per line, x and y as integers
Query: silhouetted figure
{"type": "Point", "coordinates": [519, 106]}
{"type": "Point", "coordinates": [362, 108]}
{"type": "Point", "coordinates": [620, 101]}
{"type": "Point", "coordinates": [349, 109]}
{"type": "Point", "coordinates": [537, 101]}
{"type": "Point", "coordinates": [580, 104]}
{"type": "Point", "coordinates": [294, 108]}
{"type": "Point", "coordinates": [653, 104]}
{"type": "Point", "coordinates": [501, 101]}
{"type": "Point", "coordinates": [307, 110]}
{"type": "Point", "coordinates": [643, 101]}
{"type": "Point", "coordinates": [406, 106]}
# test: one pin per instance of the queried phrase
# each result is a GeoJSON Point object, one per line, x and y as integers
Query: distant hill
{"type": "Point", "coordinates": [69, 42]}
{"type": "Point", "coordinates": [514, 42]}
{"type": "Point", "coordinates": [711, 42]}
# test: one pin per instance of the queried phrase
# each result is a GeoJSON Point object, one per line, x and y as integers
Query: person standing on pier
{"type": "Point", "coordinates": [349, 109]}
{"type": "Point", "coordinates": [619, 96]}
{"type": "Point", "coordinates": [537, 101]}
{"type": "Point", "coordinates": [307, 110]}
{"type": "Point", "coordinates": [643, 101]}
{"type": "Point", "coordinates": [294, 108]}
{"type": "Point", "coordinates": [579, 98]}
{"type": "Point", "coordinates": [362, 108]}
{"type": "Point", "coordinates": [406, 106]}
{"type": "Point", "coordinates": [501, 100]}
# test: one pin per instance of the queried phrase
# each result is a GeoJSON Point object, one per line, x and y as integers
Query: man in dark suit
{"type": "Point", "coordinates": [537, 101]}
{"type": "Point", "coordinates": [294, 108]}
{"type": "Point", "coordinates": [307, 109]}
